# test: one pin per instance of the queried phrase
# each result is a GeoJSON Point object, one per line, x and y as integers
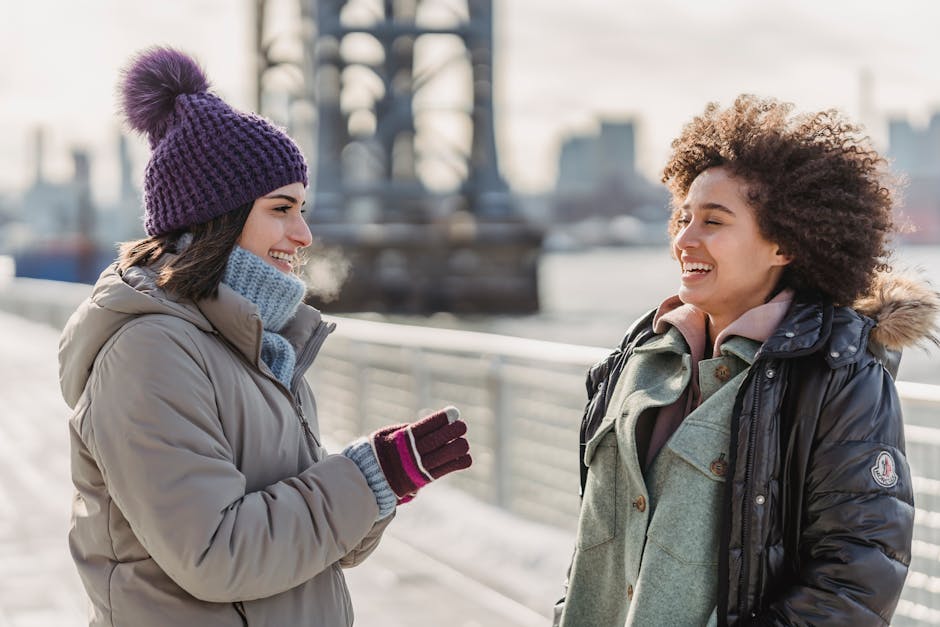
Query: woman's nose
{"type": "Point", "coordinates": [687, 237]}
{"type": "Point", "coordinates": [300, 232]}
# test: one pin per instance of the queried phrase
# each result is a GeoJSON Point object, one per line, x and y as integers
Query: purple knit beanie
{"type": "Point", "coordinates": [207, 158]}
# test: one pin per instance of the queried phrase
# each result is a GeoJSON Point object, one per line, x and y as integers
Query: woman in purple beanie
{"type": "Point", "coordinates": [204, 495]}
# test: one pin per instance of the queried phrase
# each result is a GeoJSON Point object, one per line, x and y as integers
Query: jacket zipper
{"type": "Point", "coordinates": [240, 608]}
{"type": "Point", "coordinates": [308, 432]}
{"type": "Point", "coordinates": [745, 523]}
{"type": "Point", "coordinates": [309, 352]}
{"type": "Point", "coordinates": [304, 360]}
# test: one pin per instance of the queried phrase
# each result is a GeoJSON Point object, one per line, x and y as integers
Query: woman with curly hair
{"type": "Point", "coordinates": [742, 450]}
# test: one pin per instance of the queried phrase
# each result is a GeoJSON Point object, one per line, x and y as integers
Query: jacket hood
{"type": "Point", "coordinates": [115, 300]}
{"type": "Point", "coordinates": [905, 308]}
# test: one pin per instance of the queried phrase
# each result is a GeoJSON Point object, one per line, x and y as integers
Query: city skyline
{"type": "Point", "coordinates": [559, 70]}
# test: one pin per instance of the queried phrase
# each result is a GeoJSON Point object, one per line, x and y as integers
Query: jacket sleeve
{"type": "Point", "coordinates": [369, 543]}
{"type": "Point", "coordinates": [154, 429]}
{"type": "Point", "coordinates": [858, 513]}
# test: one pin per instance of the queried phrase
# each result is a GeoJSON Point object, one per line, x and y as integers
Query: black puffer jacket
{"type": "Point", "coordinates": [818, 516]}
{"type": "Point", "coordinates": [812, 535]}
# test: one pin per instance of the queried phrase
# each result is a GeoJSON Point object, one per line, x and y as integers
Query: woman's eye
{"type": "Point", "coordinates": [714, 222]}
{"type": "Point", "coordinates": [283, 209]}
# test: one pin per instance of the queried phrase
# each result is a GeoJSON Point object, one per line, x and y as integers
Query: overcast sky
{"type": "Point", "coordinates": [560, 66]}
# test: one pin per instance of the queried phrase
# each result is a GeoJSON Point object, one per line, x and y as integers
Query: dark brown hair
{"type": "Point", "coordinates": [818, 188]}
{"type": "Point", "coordinates": [197, 271]}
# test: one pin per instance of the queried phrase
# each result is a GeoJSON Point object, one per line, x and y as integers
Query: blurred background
{"type": "Point", "coordinates": [465, 155]}
{"type": "Point", "coordinates": [484, 177]}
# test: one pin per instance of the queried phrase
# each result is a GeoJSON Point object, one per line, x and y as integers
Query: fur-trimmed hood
{"type": "Point", "coordinates": [905, 308]}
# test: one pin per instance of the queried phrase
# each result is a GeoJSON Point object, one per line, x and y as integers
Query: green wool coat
{"type": "Point", "coordinates": [647, 546]}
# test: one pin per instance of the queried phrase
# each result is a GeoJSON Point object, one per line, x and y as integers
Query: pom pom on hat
{"type": "Point", "coordinates": [150, 85]}
{"type": "Point", "coordinates": [207, 158]}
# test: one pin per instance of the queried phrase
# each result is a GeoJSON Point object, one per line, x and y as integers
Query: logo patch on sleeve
{"type": "Point", "coordinates": [884, 470]}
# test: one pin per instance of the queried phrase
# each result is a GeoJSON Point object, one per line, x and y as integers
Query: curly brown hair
{"type": "Point", "coordinates": [819, 189]}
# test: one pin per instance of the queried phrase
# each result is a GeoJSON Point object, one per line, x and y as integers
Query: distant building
{"type": "Point", "coordinates": [577, 163]}
{"type": "Point", "coordinates": [50, 208]}
{"type": "Point", "coordinates": [56, 231]}
{"type": "Point", "coordinates": [915, 151]}
{"type": "Point", "coordinates": [586, 162]}
{"type": "Point", "coordinates": [599, 188]}
{"type": "Point", "coordinates": [915, 154]}
{"type": "Point", "coordinates": [123, 220]}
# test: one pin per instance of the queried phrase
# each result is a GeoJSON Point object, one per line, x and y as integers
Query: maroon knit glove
{"type": "Point", "coordinates": [413, 455]}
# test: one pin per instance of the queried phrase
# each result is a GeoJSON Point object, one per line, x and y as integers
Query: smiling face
{"type": "Point", "coordinates": [275, 229]}
{"type": "Point", "coordinates": [728, 267]}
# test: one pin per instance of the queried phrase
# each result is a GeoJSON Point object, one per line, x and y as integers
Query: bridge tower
{"type": "Point", "coordinates": [405, 182]}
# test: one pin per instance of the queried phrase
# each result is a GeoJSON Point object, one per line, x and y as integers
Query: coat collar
{"type": "Point", "coordinates": [229, 314]}
{"type": "Point", "coordinates": [841, 333]}
{"type": "Point", "coordinates": [804, 330]}
{"type": "Point", "coordinates": [900, 310]}
{"type": "Point", "coordinates": [237, 319]}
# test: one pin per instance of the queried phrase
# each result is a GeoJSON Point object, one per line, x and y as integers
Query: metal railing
{"type": "Point", "coordinates": [523, 400]}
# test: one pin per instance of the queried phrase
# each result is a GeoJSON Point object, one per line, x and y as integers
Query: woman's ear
{"type": "Point", "coordinates": [783, 258]}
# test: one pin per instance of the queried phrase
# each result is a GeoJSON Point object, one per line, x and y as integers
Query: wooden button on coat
{"type": "Point", "coordinates": [640, 504]}
{"type": "Point", "coordinates": [719, 466]}
{"type": "Point", "coordinates": [722, 373]}
{"type": "Point", "coordinates": [630, 592]}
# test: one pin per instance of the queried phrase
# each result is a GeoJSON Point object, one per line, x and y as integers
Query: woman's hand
{"type": "Point", "coordinates": [412, 455]}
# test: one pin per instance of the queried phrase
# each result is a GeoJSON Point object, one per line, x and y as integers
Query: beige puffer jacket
{"type": "Point", "coordinates": [204, 496]}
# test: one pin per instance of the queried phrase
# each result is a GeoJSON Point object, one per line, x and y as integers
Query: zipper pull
{"type": "Point", "coordinates": [306, 426]}
{"type": "Point", "coordinates": [303, 419]}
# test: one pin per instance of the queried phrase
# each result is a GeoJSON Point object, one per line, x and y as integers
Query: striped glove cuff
{"type": "Point", "coordinates": [362, 454]}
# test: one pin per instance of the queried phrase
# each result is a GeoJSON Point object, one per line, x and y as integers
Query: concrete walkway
{"type": "Point", "coordinates": [38, 584]}
{"type": "Point", "coordinates": [403, 584]}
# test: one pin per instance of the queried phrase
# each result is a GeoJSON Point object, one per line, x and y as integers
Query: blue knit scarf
{"type": "Point", "coordinates": [277, 295]}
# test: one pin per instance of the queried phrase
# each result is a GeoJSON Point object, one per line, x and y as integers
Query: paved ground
{"type": "Point", "coordinates": [400, 586]}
